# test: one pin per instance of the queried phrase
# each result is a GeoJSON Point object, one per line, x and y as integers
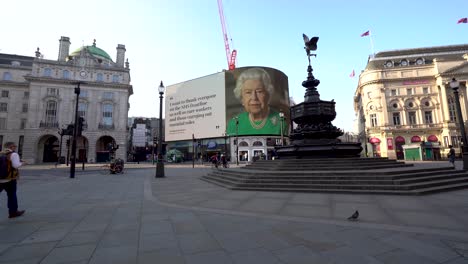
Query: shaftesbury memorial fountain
{"type": "Point", "coordinates": [315, 136]}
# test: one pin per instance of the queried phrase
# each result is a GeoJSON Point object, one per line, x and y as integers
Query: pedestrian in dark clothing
{"type": "Point", "coordinates": [451, 155]}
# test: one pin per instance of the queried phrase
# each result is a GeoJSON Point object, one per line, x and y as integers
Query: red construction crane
{"type": "Point", "coordinates": [231, 57]}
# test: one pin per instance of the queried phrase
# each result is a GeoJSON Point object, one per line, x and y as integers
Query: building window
{"type": "Point", "coordinates": [82, 107]}
{"type": "Point", "coordinates": [3, 123]}
{"type": "Point", "coordinates": [108, 95]}
{"type": "Point", "coordinates": [51, 112]}
{"type": "Point", "coordinates": [99, 77]}
{"type": "Point", "coordinates": [52, 91]}
{"type": "Point", "coordinates": [23, 123]}
{"type": "Point", "coordinates": [409, 91]}
{"type": "Point", "coordinates": [411, 104]}
{"type": "Point", "coordinates": [26, 95]}
{"type": "Point", "coordinates": [257, 144]}
{"type": "Point", "coordinates": [451, 108]}
{"type": "Point", "coordinates": [47, 72]}
{"type": "Point", "coordinates": [412, 118]}
{"type": "Point", "coordinates": [425, 90]}
{"type": "Point", "coordinates": [7, 76]}
{"type": "Point", "coordinates": [107, 112]}
{"type": "Point", "coordinates": [373, 119]}
{"type": "Point", "coordinates": [25, 108]}
{"type": "Point", "coordinates": [394, 92]}
{"type": "Point", "coordinates": [395, 105]}
{"type": "Point", "coordinates": [83, 94]}
{"type": "Point", "coordinates": [115, 78]}
{"type": "Point", "coordinates": [455, 141]}
{"type": "Point", "coordinates": [428, 117]}
{"type": "Point", "coordinates": [427, 103]}
{"type": "Point", "coordinates": [396, 119]}
{"type": "Point", "coordinates": [3, 107]}
{"type": "Point", "coordinates": [446, 141]}
{"type": "Point", "coordinates": [5, 94]}
{"type": "Point", "coordinates": [66, 74]}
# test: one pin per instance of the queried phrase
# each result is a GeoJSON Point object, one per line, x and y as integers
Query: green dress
{"type": "Point", "coordinates": [272, 125]}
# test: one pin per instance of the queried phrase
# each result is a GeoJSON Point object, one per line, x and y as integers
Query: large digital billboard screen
{"type": "Point", "coordinates": [255, 97]}
{"type": "Point", "coordinates": [245, 101]}
{"type": "Point", "coordinates": [196, 107]}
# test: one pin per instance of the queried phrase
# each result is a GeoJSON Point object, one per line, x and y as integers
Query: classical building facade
{"type": "Point", "coordinates": [404, 103]}
{"type": "Point", "coordinates": [38, 100]}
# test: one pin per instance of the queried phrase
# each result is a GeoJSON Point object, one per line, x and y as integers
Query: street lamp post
{"type": "Point", "coordinates": [61, 132]}
{"type": "Point", "coordinates": [225, 143]}
{"type": "Point", "coordinates": [455, 86]}
{"type": "Point", "coordinates": [75, 133]}
{"type": "Point", "coordinates": [281, 114]}
{"type": "Point", "coordinates": [160, 163]}
{"type": "Point", "coordinates": [237, 140]}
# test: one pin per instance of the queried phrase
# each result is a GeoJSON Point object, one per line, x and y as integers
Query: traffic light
{"type": "Point", "coordinates": [81, 121]}
{"type": "Point", "coordinates": [155, 140]}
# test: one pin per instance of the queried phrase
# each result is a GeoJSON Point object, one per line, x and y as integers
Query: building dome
{"type": "Point", "coordinates": [93, 50]}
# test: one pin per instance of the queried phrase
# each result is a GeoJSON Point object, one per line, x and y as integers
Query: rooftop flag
{"type": "Point", "coordinates": [463, 20]}
{"type": "Point", "coordinates": [367, 33]}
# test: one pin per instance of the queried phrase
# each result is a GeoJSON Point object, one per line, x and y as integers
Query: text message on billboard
{"type": "Point", "coordinates": [196, 107]}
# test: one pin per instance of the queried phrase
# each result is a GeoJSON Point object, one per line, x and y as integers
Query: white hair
{"type": "Point", "coordinates": [253, 74]}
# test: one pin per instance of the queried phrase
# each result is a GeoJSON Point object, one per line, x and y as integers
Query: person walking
{"type": "Point", "coordinates": [8, 183]}
{"type": "Point", "coordinates": [451, 155]}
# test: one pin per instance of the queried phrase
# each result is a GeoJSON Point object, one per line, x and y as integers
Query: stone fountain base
{"type": "Point", "coordinates": [319, 148]}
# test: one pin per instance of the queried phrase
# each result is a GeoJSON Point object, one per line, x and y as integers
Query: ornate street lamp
{"type": "Point", "coordinates": [281, 114]}
{"type": "Point", "coordinates": [75, 133]}
{"type": "Point", "coordinates": [160, 163]}
{"type": "Point", "coordinates": [454, 84]}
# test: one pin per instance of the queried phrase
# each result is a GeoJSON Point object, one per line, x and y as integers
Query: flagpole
{"type": "Point", "coordinates": [371, 43]}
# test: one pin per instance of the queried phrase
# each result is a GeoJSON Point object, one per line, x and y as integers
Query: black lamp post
{"type": "Point", "coordinates": [454, 84]}
{"type": "Point", "coordinates": [281, 114]}
{"type": "Point", "coordinates": [75, 133]}
{"type": "Point", "coordinates": [237, 140]}
{"type": "Point", "coordinates": [160, 163]}
{"type": "Point", "coordinates": [61, 132]}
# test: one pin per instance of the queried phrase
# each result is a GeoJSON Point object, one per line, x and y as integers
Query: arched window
{"type": "Point", "coordinates": [451, 108]}
{"type": "Point", "coordinates": [257, 144]}
{"type": "Point", "coordinates": [107, 113]}
{"type": "Point", "coordinates": [66, 74]}
{"type": "Point", "coordinates": [7, 76]}
{"type": "Point", "coordinates": [51, 111]}
{"type": "Point", "coordinates": [243, 144]}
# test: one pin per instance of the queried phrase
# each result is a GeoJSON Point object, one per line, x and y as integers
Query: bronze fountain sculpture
{"type": "Point", "coordinates": [315, 136]}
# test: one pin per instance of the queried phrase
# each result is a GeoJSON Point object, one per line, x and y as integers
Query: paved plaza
{"type": "Point", "coordinates": [135, 218]}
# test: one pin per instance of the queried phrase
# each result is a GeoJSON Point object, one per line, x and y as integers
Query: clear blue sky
{"type": "Point", "coordinates": [178, 40]}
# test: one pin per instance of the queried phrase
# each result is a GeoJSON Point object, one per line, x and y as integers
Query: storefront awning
{"type": "Point", "coordinates": [374, 140]}
{"type": "Point", "coordinates": [400, 139]}
{"type": "Point", "coordinates": [432, 138]}
{"type": "Point", "coordinates": [415, 139]}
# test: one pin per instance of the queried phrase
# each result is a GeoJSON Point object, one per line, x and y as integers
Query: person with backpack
{"type": "Point", "coordinates": [9, 164]}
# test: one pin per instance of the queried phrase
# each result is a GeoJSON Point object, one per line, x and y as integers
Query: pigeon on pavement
{"type": "Point", "coordinates": [354, 217]}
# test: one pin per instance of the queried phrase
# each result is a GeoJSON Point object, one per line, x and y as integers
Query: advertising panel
{"type": "Point", "coordinates": [196, 107]}
{"type": "Point", "coordinates": [245, 101]}
{"type": "Point", "coordinates": [255, 99]}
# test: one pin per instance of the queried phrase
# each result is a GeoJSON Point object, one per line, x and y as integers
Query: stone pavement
{"type": "Point", "coordinates": [135, 218]}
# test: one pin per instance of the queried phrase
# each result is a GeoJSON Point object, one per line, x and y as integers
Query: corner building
{"type": "Point", "coordinates": [404, 104]}
{"type": "Point", "coordinates": [38, 100]}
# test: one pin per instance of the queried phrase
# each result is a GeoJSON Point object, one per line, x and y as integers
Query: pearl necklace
{"type": "Point", "coordinates": [255, 125]}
